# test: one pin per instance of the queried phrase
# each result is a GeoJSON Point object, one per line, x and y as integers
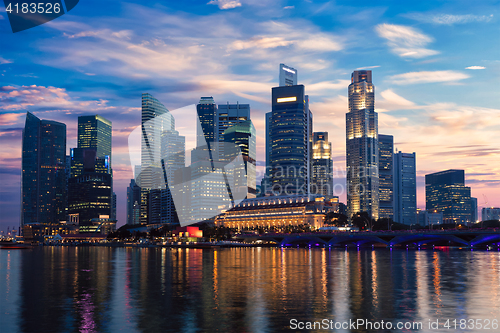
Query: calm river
{"type": "Point", "coordinates": [100, 289]}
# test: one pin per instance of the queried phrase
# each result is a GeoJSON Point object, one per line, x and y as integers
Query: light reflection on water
{"type": "Point", "coordinates": [99, 289]}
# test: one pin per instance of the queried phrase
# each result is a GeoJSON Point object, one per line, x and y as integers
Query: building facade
{"type": "Point", "coordinates": [278, 211]}
{"type": "Point", "coordinates": [291, 136]}
{"type": "Point", "coordinates": [155, 120]}
{"type": "Point", "coordinates": [43, 182]}
{"type": "Point", "coordinates": [386, 176]}
{"type": "Point", "coordinates": [288, 76]}
{"type": "Point", "coordinates": [242, 138]}
{"type": "Point", "coordinates": [445, 192]}
{"type": "Point", "coordinates": [362, 151]}
{"type": "Point", "coordinates": [322, 165]}
{"type": "Point", "coordinates": [405, 188]}
{"type": "Point", "coordinates": [490, 213]}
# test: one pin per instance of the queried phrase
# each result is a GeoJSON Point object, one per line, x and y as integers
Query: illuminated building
{"type": "Point", "coordinates": [290, 136]}
{"type": "Point", "coordinates": [133, 202]}
{"type": "Point", "coordinates": [95, 132]}
{"type": "Point", "coordinates": [445, 192]}
{"type": "Point", "coordinates": [405, 188]}
{"type": "Point", "coordinates": [43, 184]}
{"type": "Point", "coordinates": [278, 211]}
{"type": "Point", "coordinates": [386, 174]}
{"type": "Point", "coordinates": [362, 151]}
{"type": "Point", "coordinates": [426, 218]}
{"type": "Point", "coordinates": [90, 187]}
{"type": "Point", "coordinates": [322, 172]}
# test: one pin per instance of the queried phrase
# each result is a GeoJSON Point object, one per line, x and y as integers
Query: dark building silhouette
{"type": "Point", "coordinates": [386, 176]}
{"type": "Point", "coordinates": [90, 187]}
{"type": "Point", "coordinates": [445, 192]}
{"type": "Point", "coordinates": [43, 171]}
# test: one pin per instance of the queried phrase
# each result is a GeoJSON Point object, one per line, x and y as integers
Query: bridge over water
{"type": "Point", "coordinates": [397, 238]}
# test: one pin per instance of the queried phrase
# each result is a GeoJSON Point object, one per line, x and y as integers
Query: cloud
{"type": "Point", "coordinates": [289, 7]}
{"type": "Point", "coordinates": [4, 61]}
{"type": "Point", "coordinates": [326, 86]}
{"type": "Point", "coordinates": [367, 67]}
{"type": "Point", "coordinates": [7, 119]}
{"type": "Point", "coordinates": [225, 4]}
{"type": "Point", "coordinates": [405, 41]}
{"type": "Point", "coordinates": [475, 67]}
{"type": "Point", "coordinates": [428, 77]}
{"type": "Point", "coordinates": [448, 19]}
{"type": "Point", "coordinates": [393, 99]}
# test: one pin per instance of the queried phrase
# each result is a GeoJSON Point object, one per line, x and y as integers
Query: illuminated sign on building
{"type": "Point", "coordinates": [287, 99]}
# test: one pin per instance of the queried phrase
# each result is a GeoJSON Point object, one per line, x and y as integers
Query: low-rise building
{"type": "Point", "coordinates": [278, 211]}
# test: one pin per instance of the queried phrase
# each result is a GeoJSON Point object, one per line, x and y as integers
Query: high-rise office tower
{"type": "Point", "coordinates": [207, 112]}
{"type": "Point", "coordinates": [362, 147]}
{"type": "Point", "coordinates": [243, 137]}
{"type": "Point", "coordinates": [95, 132]}
{"type": "Point", "coordinates": [322, 165]}
{"type": "Point", "coordinates": [155, 120]}
{"type": "Point", "coordinates": [386, 176]}
{"type": "Point", "coordinates": [43, 171]}
{"type": "Point", "coordinates": [473, 208]}
{"type": "Point", "coordinates": [405, 188]}
{"type": "Point", "coordinates": [90, 194]}
{"type": "Point", "coordinates": [288, 76]}
{"type": "Point", "coordinates": [228, 115]}
{"type": "Point", "coordinates": [133, 203]}
{"type": "Point", "coordinates": [445, 192]}
{"type": "Point", "coordinates": [173, 148]}
{"type": "Point", "coordinates": [290, 136]}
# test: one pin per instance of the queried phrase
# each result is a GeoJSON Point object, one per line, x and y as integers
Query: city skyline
{"type": "Point", "coordinates": [430, 89]}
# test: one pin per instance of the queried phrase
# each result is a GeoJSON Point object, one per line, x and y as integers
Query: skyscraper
{"type": "Point", "coordinates": [291, 130]}
{"type": "Point", "coordinates": [43, 171]}
{"type": "Point", "coordinates": [90, 186]}
{"type": "Point", "coordinates": [207, 112]}
{"type": "Point", "coordinates": [155, 120]}
{"type": "Point", "coordinates": [243, 136]}
{"type": "Point", "coordinates": [133, 202]}
{"type": "Point", "coordinates": [288, 76]}
{"type": "Point", "coordinates": [445, 192]}
{"type": "Point", "coordinates": [386, 176]}
{"type": "Point", "coordinates": [228, 115]}
{"type": "Point", "coordinates": [405, 188]}
{"type": "Point", "coordinates": [173, 148]}
{"type": "Point", "coordinates": [362, 147]}
{"type": "Point", "coordinates": [322, 172]}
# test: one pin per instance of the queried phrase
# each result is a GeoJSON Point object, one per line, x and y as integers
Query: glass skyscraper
{"type": "Point", "coordinates": [405, 188]}
{"type": "Point", "coordinates": [91, 183]}
{"type": "Point", "coordinates": [362, 147]}
{"type": "Point", "coordinates": [446, 192]}
{"type": "Point", "coordinates": [43, 171]}
{"type": "Point", "coordinates": [243, 136]}
{"type": "Point", "coordinates": [155, 120]}
{"type": "Point", "coordinates": [386, 176]}
{"type": "Point", "coordinates": [290, 136]}
{"type": "Point", "coordinates": [95, 132]}
{"type": "Point", "coordinates": [321, 175]}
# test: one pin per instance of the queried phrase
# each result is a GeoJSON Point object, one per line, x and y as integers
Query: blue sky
{"type": "Point", "coordinates": [435, 69]}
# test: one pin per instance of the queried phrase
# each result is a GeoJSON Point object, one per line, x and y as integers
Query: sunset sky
{"type": "Point", "coordinates": [436, 70]}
